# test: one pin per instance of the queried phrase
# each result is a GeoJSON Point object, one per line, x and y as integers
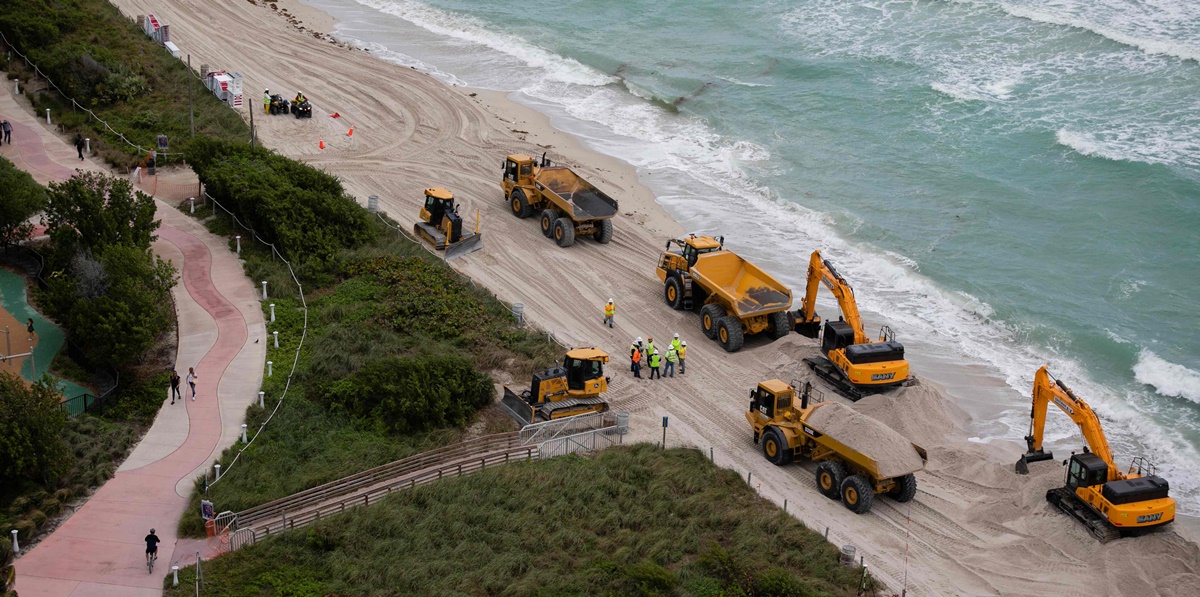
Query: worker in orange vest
{"type": "Point", "coordinates": [636, 357]}
{"type": "Point", "coordinates": [609, 310]}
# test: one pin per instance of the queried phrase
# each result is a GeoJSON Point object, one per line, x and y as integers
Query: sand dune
{"type": "Point", "coordinates": [976, 528]}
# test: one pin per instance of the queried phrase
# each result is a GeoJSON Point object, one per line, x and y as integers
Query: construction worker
{"type": "Point", "coordinates": [609, 310]}
{"type": "Point", "coordinates": [675, 342]}
{"type": "Point", "coordinates": [654, 363]}
{"type": "Point", "coordinates": [635, 347]}
{"type": "Point", "coordinates": [682, 354]}
{"type": "Point", "coordinates": [266, 101]}
{"type": "Point", "coordinates": [650, 346]}
{"type": "Point", "coordinates": [636, 357]}
{"type": "Point", "coordinates": [672, 356]}
{"type": "Point", "coordinates": [299, 97]}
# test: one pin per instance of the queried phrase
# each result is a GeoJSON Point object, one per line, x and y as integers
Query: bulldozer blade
{"type": "Point", "coordinates": [469, 244]}
{"type": "Point", "coordinates": [518, 409]}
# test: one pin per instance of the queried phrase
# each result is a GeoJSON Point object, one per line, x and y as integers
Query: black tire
{"type": "Point", "coordinates": [547, 222]}
{"type": "Point", "coordinates": [857, 494]}
{"type": "Point", "coordinates": [710, 315]}
{"type": "Point", "coordinates": [519, 204]}
{"type": "Point", "coordinates": [905, 489]}
{"type": "Point", "coordinates": [673, 292]}
{"type": "Point", "coordinates": [830, 474]}
{"type": "Point", "coordinates": [775, 448]}
{"type": "Point", "coordinates": [604, 232]}
{"type": "Point", "coordinates": [564, 232]}
{"type": "Point", "coordinates": [729, 333]}
{"type": "Point", "coordinates": [778, 325]}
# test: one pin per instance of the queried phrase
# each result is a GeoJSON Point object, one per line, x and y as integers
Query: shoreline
{"type": "Point", "coordinates": [422, 136]}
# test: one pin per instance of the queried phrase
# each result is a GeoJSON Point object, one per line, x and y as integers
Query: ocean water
{"type": "Point", "coordinates": [1006, 184]}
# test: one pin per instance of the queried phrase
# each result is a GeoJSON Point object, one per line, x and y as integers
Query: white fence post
{"type": "Point", "coordinates": [174, 576]}
{"type": "Point", "coordinates": [88, 142]}
{"type": "Point", "coordinates": [272, 312]}
{"type": "Point", "coordinates": [261, 403]}
{"type": "Point", "coordinates": [238, 238]}
{"type": "Point", "coordinates": [268, 368]}
{"type": "Point", "coordinates": [217, 474]}
{"type": "Point", "coordinates": [47, 115]}
{"type": "Point", "coordinates": [276, 335]}
{"type": "Point", "coordinates": [193, 208]}
{"type": "Point", "coordinates": [243, 433]}
{"type": "Point", "coordinates": [16, 546]}
{"type": "Point", "coordinates": [264, 290]}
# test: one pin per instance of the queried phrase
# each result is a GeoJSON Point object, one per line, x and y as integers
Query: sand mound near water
{"type": "Point", "coordinates": [892, 452]}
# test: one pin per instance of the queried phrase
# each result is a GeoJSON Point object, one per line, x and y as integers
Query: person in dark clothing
{"type": "Point", "coordinates": [152, 542]}
{"type": "Point", "coordinates": [7, 128]}
{"type": "Point", "coordinates": [175, 379]}
{"type": "Point", "coordinates": [79, 145]}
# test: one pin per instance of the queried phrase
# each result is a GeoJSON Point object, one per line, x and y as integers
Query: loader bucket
{"type": "Point", "coordinates": [468, 244]}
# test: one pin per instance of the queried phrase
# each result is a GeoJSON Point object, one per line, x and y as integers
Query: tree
{"type": "Point", "coordinates": [91, 211]}
{"type": "Point", "coordinates": [115, 305]}
{"type": "Point", "coordinates": [31, 429]}
{"type": "Point", "coordinates": [22, 199]}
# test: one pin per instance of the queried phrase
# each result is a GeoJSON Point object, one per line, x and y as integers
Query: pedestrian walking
{"type": "Point", "coordinates": [672, 356]}
{"type": "Point", "coordinates": [175, 386]}
{"type": "Point", "coordinates": [79, 145]}
{"type": "Point", "coordinates": [7, 131]}
{"type": "Point", "coordinates": [682, 356]}
{"type": "Point", "coordinates": [609, 310]}
{"type": "Point", "coordinates": [636, 357]}
{"type": "Point", "coordinates": [654, 363]}
{"type": "Point", "coordinates": [191, 380]}
{"type": "Point", "coordinates": [29, 326]}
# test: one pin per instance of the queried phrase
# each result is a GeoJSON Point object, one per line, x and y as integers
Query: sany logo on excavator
{"type": "Point", "coordinates": [1063, 405]}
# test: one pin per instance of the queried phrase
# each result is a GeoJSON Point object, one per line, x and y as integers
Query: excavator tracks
{"type": "Point", "coordinates": [826, 371]}
{"type": "Point", "coordinates": [1069, 503]}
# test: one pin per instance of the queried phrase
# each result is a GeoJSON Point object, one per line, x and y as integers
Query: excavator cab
{"type": "Point", "coordinates": [1086, 470]}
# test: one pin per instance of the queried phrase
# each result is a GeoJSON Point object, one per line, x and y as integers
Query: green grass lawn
{"type": "Point", "coordinates": [631, 520]}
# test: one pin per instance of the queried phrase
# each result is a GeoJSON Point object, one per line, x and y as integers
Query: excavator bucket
{"type": "Point", "coordinates": [468, 244]}
{"type": "Point", "coordinates": [1022, 467]}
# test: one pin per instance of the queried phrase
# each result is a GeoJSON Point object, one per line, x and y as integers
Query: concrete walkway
{"type": "Point", "coordinates": [99, 551]}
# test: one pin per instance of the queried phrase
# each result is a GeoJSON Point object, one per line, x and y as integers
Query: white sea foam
{"type": "Point", "coordinates": [1167, 378]}
{"type": "Point", "coordinates": [1149, 45]}
{"type": "Point", "coordinates": [382, 52]}
{"type": "Point", "coordinates": [744, 83]}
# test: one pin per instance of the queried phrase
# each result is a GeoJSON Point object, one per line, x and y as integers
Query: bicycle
{"type": "Point", "coordinates": [150, 562]}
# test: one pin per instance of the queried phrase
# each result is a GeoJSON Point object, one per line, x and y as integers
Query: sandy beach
{"type": "Point", "coordinates": [975, 528]}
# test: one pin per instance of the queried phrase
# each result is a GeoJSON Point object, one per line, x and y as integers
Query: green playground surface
{"type": "Point", "coordinates": [50, 339]}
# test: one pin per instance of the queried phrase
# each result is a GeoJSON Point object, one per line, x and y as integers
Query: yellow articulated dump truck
{"type": "Point", "coordinates": [575, 388]}
{"type": "Point", "coordinates": [734, 296]}
{"type": "Point", "coordinates": [857, 457]}
{"type": "Point", "coordinates": [569, 205]}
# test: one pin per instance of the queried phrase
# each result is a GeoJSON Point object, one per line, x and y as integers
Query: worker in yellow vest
{"type": "Point", "coordinates": [609, 310]}
{"type": "Point", "coordinates": [682, 355]}
{"type": "Point", "coordinates": [672, 357]}
{"type": "Point", "coordinates": [677, 346]}
{"type": "Point", "coordinates": [266, 101]}
{"type": "Point", "coordinates": [654, 363]}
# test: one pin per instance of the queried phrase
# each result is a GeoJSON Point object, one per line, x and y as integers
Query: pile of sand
{"type": "Point", "coordinates": [893, 453]}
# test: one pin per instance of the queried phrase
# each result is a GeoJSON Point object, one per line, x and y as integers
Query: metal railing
{"type": "Point", "coordinates": [537, 433]}
{"type": "Point", "coordinates": [586, 442]}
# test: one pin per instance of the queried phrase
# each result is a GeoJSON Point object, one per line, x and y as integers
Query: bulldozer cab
{"type": "Point", "coordinates": [438, 202]}
{"type": "Point", "coordinates": [1086, 470]}
{"type": "Point", "coordinates": [585, 371]}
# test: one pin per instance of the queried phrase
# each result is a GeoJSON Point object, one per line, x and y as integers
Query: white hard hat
{"type": "Point", "coordinates": [639, 340]}
{"type": "Point", "coordinates": [676, 334]}
{"type": "Point", "coordinates": [266, 91]}
{"type": "Point", "coordinates": [684, 343]}
{"type": "Point", "coordinates": [610, 300]}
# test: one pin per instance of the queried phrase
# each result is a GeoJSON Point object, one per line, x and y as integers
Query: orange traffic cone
{"type": "Point", "coordinates": [351, 133]}
{"type": "Point", "coordinates": [322, 143]}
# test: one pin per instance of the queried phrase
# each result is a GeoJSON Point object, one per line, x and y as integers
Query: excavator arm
{"type": "Point", "coordinates": [1045, 391]}
{"type": "Point", "coordinates": [820, 272]}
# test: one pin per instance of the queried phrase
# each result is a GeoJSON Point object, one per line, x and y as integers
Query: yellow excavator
{"type": "Point", "coordinates": [1108, 502]}
{"type": "Point", "coordinates": [574, 388]}
{"type": "Point", "coordinates": [441, 226]}
{"type": "Point", "coordinates": [854, 364]}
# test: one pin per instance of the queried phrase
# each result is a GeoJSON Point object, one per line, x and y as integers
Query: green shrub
{"type": "Point", "coordinates": [51, 506]}
{"type": "Point", "coordinates": [38, 517]}
{"type": "Point", "coordinates": [23, 198]}
{"type": "Point", "coordinates": [648, 578]}
{"type": "Point", "coordinates": [31, 426]}
{"type": "Point", "coordinates": [407, 395]}
{"type": "Point", "coordinates": [137, 400]}
{"type": "Point", "coordinates": [25, 529]}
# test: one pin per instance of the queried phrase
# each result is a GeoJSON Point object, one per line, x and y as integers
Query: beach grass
{"type": "Point", "coordinates": [632, 520]}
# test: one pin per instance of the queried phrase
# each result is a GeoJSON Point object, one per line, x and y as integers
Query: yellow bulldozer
{"type": "Point", "coordinates": [574, 388]}
{"type": "Point", "coordinates": [1110, 503]}
{"type": "Point", "coordinates": [441, 226]}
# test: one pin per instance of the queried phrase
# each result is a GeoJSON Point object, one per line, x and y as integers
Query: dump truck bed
{"type": "Point", "coordinates": [742, 284]}
{"type": "Point", "coordinates": [575, 196]}
{"type": "Point", "coordinates": [864, 441]}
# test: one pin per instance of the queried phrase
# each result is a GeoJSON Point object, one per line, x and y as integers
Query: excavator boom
{"type": "Point", "coordinates": [1047, 390]}
{"type": "Point", "coordinates": [820, 272]}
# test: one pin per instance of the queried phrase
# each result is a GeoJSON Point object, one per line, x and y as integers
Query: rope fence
{"type": "Point", "coordinates": [303, 335]}
{"type": "Point", "coordinates": [110, 129]}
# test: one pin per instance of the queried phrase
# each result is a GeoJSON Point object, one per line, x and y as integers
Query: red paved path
{"type": "Point", "coordinates": [99, 551]}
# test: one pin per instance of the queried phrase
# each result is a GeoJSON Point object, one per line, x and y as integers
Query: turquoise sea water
{"type": "Point", "coordinates": [50, 339]}
{"type": "Point", "coordinates": [1006, 184]}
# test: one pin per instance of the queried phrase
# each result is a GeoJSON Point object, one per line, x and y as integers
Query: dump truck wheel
{"type": "Point", "coordinates": [778, 326]}
{"type": "Point", "coordinates": [857, 494]}
{"type": "Point", "coordinates": [673, 292]}
{"type": "Point", "coordinates": [775, 448]}
{"type": "Point", "coordinates": [709, 316]}
{"type": "Point", "coordinates": [519, 204]}
{"type": "Point", "coordinates": [905, 489]}
{"type": "Point", "coordinates": [830, 475]}
{"type": "Point", "coordinates": [548, 217]}
{"type": "Point", "coordinates": [729, 333]}
{"type": "Point", "coordinates": [604, 232]}
{"type": "Point", "coordinates": [564, 232]}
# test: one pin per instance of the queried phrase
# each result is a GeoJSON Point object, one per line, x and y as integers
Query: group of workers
{"type": "Point", "coordinates": [645, 352]}
{"type": "Point", "coordinates": [267, 100]}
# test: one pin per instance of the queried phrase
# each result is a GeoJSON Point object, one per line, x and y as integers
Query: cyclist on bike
{"type": "Point", "coordinates": [152, 542]}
